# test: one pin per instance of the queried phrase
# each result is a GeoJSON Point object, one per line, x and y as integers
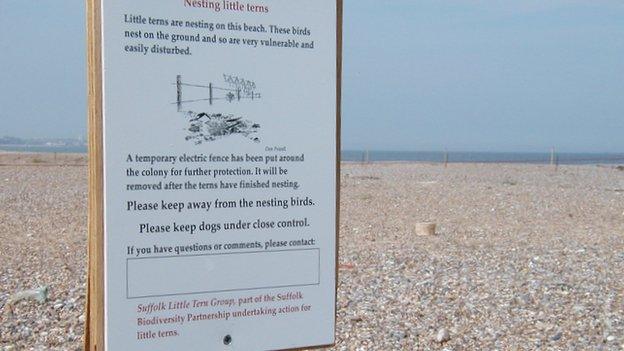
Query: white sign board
{"type": "Point", "coordinates": [220, 156]}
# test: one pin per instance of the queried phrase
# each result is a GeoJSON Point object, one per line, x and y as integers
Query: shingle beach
{"type": "Point", "coordinates": [526, 257]}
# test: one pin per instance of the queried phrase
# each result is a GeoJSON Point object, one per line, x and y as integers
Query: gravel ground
{"type": "Point", "coordinates": [43, 218]}
{"type": "Point", "coordinates": [526, 257]}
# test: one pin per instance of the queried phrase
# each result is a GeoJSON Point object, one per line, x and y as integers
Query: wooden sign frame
{"type": "Point", "coordinates": [94, 338]}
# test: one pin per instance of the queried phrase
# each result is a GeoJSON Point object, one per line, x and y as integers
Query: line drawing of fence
{"type": "Point", "coordinates": [215, 93]}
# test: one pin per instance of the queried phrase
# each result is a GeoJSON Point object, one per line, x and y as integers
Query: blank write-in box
{"type": "Point", "coordinates": [212, 273]}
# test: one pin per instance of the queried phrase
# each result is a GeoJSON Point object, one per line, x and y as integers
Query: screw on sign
{"type": "Point", "coordinates": [178, 256]}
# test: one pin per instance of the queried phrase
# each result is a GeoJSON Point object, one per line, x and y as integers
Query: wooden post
{"type": "Point", "coordinates": [210, 92]}
{"type": "Point", "coordinates": [94, 309]}
{"type": "Point", "coordinates": [446, 158]}
{"type": "Point", "coordinates": [554, 160]}
{"type": "Point", "coordinates": [339, 21]}
{"type": "Point", "coordinates": [179, 86]}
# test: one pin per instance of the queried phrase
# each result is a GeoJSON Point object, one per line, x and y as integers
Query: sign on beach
{"type": "Point", "coordinates": [214, 138]}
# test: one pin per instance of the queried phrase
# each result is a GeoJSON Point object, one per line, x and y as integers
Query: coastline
{"type": "Point", "coordinates": [27, 148]}
{"type": "Point", "coordinates": [8, 157]}
{"type": "Point", "coordinates": [18, 158]}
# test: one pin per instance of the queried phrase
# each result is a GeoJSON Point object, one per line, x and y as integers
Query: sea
{"type": "Point", "coordinates": [415, 156]}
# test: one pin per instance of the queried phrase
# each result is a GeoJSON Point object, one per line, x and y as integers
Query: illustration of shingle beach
{"type": "Point", "coordinates": [208, 127]}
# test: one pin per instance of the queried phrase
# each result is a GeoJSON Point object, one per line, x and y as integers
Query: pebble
{"type": "Point", "coordinates": [425, 229]}
{"type": "Point", "coordinates": [399, 335]}
{"type": "Point", "coordinates": [25, 333]}
{"type": "Point", "coordinates": [40, 295]}
{"type": "Point", "coordinates": [443, 335]}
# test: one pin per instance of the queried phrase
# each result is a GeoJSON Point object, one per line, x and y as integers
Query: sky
{"type": "Point", "coordinates": [461, 75]}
